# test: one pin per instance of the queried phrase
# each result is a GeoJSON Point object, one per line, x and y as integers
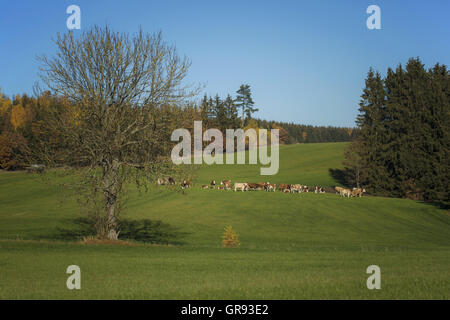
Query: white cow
{"type": "Point", "coordinates": [270, 187]}
{"type": "Point", "coordinates": [241, 186]}
{"type": "Point", "coordinates": [296, 188]}
{"type": "Point", "coordinates": [163, 181]}
{"type": "Point", "coordinates": [346, 193]}
{"type": "Point", "coordinates": [338, 190]}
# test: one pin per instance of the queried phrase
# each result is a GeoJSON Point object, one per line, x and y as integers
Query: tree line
{"type": "Point", "coordinates": [404, 141]}
{"type": "Point", "coordinates": [34, 129]}
{"type": "Point", "coordinates": [300, 133]}
{"type": "Point", "coordinates": [28, 131]}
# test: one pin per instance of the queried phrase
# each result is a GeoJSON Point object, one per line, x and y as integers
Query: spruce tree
{"type": "Point", "coordinates": [205, 110]}
{"type": "Point", "coordinates": [371, 122]}
{"type": "Point", "coordinates": [219, 113]}
{"type": "Point", "coordinates": [404, 140]}
{"type": "Point", "coordinates": [231, 113]}
{"type": "Point", "coordinates": [440, 112]}
{"type": "Point", "coordinates": [245, 102]}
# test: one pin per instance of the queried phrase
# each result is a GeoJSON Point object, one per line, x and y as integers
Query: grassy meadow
{"type": "Point", "coordinates": [294, 246]}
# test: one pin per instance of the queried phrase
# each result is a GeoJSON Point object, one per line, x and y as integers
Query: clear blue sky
{"type": "Point", "coordinates": [305, 60]}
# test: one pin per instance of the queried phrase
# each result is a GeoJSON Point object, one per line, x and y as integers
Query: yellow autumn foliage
{"type": "Point", "coordinates": [4, 105]}
{"type": "Point", "coordinates": [230, 238]}
{"type": "Point", "coordinates": [18, 116]}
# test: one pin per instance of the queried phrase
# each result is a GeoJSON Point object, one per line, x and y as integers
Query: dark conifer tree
{"type": "Point", "coordinates": [440, 112]}
{"type": "Point", "coordinates": [404, 142]}
{"type": "Point", "coordinates": [231, 113]}
{"type": "Point", "coordinates": [205, 110]}
{"type": "Point", "coordinates": [219, 114]}
{"type": "Point", "coordinates": [373, 134]}
{"type": "Point", "coordinates": [245, 102]}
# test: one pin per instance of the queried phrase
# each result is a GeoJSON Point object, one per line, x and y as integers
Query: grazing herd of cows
{"type": "Point", "coordinates": [266, 186]}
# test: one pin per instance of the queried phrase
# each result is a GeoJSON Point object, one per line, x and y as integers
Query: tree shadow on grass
{"type": "Point", "coordinates": [341, 176]}
{"type": "Point", "coordinates": [444, 205]}
{"type": "Point", "coordinates": [145, 231]}
{"type": "Point", "coordinates": [344, 178]}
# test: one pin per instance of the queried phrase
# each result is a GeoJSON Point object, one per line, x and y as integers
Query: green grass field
{"type": "Point", "coordinates": [294, 246]}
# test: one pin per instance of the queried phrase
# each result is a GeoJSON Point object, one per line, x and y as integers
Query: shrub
{"type": "Point", "coordinates": [14, 151]}
{"type": "Point", "coordinates": [230, 238]}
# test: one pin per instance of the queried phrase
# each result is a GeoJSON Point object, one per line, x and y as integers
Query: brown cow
{"type": "Point", "coordinates": [358, 192]}
{"type": "Point", "coordinates": [256, 186]}
{"type": "Point", "coordinates": [283, 187]}
{"type": "Point", "coordinates": [226, 184]}
{"type": "Point", "coordinates": [252, 186]}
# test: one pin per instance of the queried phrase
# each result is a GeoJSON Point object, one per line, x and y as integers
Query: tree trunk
{"type": "Point", "coordinates": [111, 191]}
{"type": "Point", "coordinates": [111, 223]}
{"type": "Point", "coordinates": [357, 178]}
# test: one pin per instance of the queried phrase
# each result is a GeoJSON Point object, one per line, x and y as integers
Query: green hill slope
{"type": "Point", "coordinates": [293, 245]}
{"type": "Point", "coordinates": [31, 208]}
{"type": "Point", "coordinates": [299, 163]}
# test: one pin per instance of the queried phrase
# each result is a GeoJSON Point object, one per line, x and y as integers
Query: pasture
{"type": "Point", "coordinates": [294, 246]}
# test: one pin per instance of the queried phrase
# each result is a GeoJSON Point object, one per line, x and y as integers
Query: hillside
{"type": "Point", "coordinates": [293, 245]}
{"type": "Point", "coordinates": [299, 163]}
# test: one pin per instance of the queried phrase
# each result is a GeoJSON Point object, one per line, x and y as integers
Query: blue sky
{"type": "Point", "coordinates": [305, 60]}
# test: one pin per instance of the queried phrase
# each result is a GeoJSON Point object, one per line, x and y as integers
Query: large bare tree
{"type": "Point", "coordinates": [112, 82]}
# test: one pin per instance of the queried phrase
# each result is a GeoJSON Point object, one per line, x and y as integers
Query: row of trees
{"type": "Point", "coordinates": [404, 142]}
{"type": "Point", "coordinates": [29, 132]}
{"type": "Point", "coordinates": [224, 113]}
{"type": "Point", "coordinates": [299, 133]}
{"type": "Point", "coordinates": [33, 129]}
{"type": "Point", "coordinates": [236, 113]}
